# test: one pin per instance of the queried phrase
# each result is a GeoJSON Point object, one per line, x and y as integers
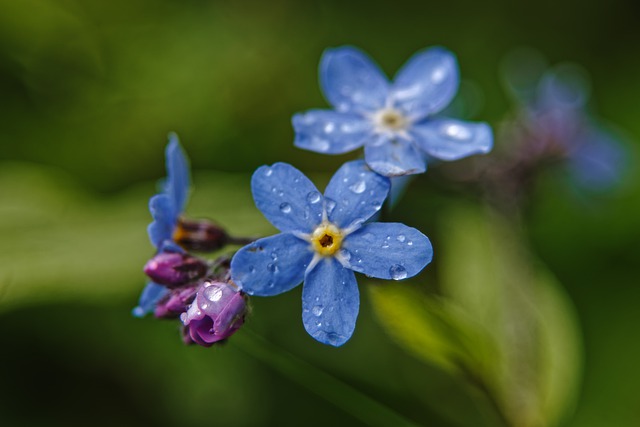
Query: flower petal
{"type": "Point", "coordinates": [354, 194]}
{"type": "Point", "coordinates": [599, 162]}
{"type": "Point", "coordinates": [178, 181]}
{"type": "Point", "coordinates": [330, 302]}
{"type": "Point", "coordinates": [164, 219]}
{"type": "Point", "coordinates": [351, 81]}
{"type": "Point", "coordinates": [449, 139]}
{"type": "Point", "coordinates": [330, 132]}
{"type": "Point", "coordinates": [427, 83]}
{"type": "Point", "coordinates": [287, 198]}
{"type": "Point", "coordinates": [149, 298]}
{"type": "Point", "coordinates": [395, 157]}
{"type": "Point", "coordinates": [387, 251]}
{"type": "Point", "coordinates": [272, 265]}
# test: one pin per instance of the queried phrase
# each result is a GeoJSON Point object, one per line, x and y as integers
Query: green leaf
{"type": "Point", "coordinates": [489, 273]}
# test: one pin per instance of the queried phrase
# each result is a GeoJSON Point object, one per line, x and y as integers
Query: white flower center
{"type": "Point", "coordinates": [390, 120]}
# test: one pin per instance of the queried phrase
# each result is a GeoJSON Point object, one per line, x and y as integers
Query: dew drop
{"type": "Point", "coordinates": [268, 172]}
{"type": "Point", "coordinates": [329, 127]}
{"type": "Point", "coordinates": [330, 206]}
{"type": "Point", "coordinates": [274, 256]}
{"type": "Point", "coordinates": [285, 207]}
{"type": "Point", "coordinates": [401, 238]}
{"type": "Point", "coordinates": [385, 245]}
{"type": "Point", "coordinates": [457, 132]}
{"type": "Point", "coordinates": [358, 187]}
{"type": "Point", "coordinates": [398, 272]}
{"type": "Point", "coordinates": [213, 293]}
{"type": "Point", "coordinates": [320, 144]}
{"type": "Point", "coordinates": [204, 306]}
{"type": "Point", "coordinates": [317, 310]}
{"type": "Point", "coordinates": [313, 197]}
{"type": "Point", "coordinates": [272, 268]}
{"type": "Point", "coordinates": [345, 254]}
{"type": "Point", "coordinates": [252, 269]}
{"type": "Point", "coordinates": [183, 317]}
{"type": "Point", "coordinates": [270, 285]}
{"type": "Point", "coordinates": [410, 243]}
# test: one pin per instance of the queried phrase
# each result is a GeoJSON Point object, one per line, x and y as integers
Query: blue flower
{"type": "Point", "coordinates": [397, 122]}
{"type": "Point", "coordinates": [167, 206]}
{"type": "Point", "coordinates": [151, 295]}
{"type": "Point", "coordinates": [324, 240]}
{"type": "Point", "coordinates": [553, 123]}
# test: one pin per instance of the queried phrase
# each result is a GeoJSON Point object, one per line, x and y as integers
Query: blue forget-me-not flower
{"type": "Point", "coordinates": [166, 208]}
{"type": "Point", "coordinates": [553, 123]}
{"type": "Point", "coordinates": [324, 240]}
{"type": "Point", "coordinates": [398, 122]}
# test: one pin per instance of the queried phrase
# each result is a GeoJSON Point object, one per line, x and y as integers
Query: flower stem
{"type": "Point", "coordinates": [342, 395]}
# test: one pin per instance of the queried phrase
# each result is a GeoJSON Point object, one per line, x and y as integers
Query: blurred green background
{"type": "Point", "coordinates": [90, 90]}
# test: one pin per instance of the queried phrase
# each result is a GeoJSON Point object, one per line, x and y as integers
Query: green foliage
{"type": "Point", "coordinates": [504, 323]}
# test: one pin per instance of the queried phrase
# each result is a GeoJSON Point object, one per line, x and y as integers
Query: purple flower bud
{"type": "Point", "coordinates": [174, 269]}
{"type": "Point", "coordinates": [176, 302]}
{"type": "Point", "coordinates": [199, 235]}
{"type": "Point", "coordinates": [217, 312]}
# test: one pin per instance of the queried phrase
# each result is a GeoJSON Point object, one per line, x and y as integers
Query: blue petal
{"type": "Point", "coordinates": [272, 265]}
{"type": "Point", "coordinates": [354, 194]}
{"type": "Point", "coordinates": [164, 219]}
{"type": "Point", "coordinates": [178, 182]}
{"type": "Point", "coordinates": [387, 251]}
{"type": "Point", "coordinates": [449, 139]}
{"type": "Point", "coordinates": [287, 198]}
{"type": "Point", "coordinates": [351, 81]}
{"type": "Point", "coordinates": [330, 132]}
{"type": "Point", "coordinates": [330, 302]}
{"type": "Point", "coordinates": [599, 163]}
{"type": "Point", "coordinates": [395, 157]}
{"type": "Point", "coordinates": [427, 83]}
{"type": "Point", "coordinates": [149, 298]}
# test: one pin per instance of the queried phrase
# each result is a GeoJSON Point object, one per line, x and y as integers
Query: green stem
{"type": "Point", "coordinates": [342, 395]}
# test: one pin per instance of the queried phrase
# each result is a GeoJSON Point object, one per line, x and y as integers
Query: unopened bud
{"type": "Point", "coordinates": [199, 235]}
{"type": "Point", "coordinates": [216, 313]}
{"type": "Point", "coordinates": [174, 269]}
{"type": "Point", "coordinates": [176, 302]}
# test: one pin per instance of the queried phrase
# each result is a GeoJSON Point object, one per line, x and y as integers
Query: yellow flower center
{"type": "Point", "coordinates": [326, 239]}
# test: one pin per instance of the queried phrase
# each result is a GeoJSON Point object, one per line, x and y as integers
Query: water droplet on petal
{"type": "Point", "coordinates": [410, 243]}
{"type": "Point", "coordinates": [330, 206]}
{"type": "Point", "coordinates": [272, 268]}
{"type": "Point", "coordinates": [274, 256]}
{"type": "Point", "coordinates": [317, 310]}
{"type": "Point", "coordinates": [285, 207]}
{"type": "Point", "coordinates": [457, 132]}
{"type": "Point", "coordinates": [313, 197]}
{"type": "Point", "coordinates": [320, 144]}
{"type": "Point", "coordinates": [358, 187]}
{"type": "Point", "coordinates": [345, 254]}
{"type": "Point", "coordinates": [398, 272]}
{"type": "Point", "coordinates": [401, 238]}
{"type": "Point", "coordinates": [213, 293]}
{"type": "Point", "coordinates": [385, 245]}
{"type": "Point", "coordinates": [329, 127]}
{"type": "Point", "coordinates": [268, 172]}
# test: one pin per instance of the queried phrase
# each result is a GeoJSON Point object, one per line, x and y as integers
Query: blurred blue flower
{"type": "Point", "coordinates": [554, 124]}
{"type": "Point", "coordinates": [397, 122]}
{"type": "Point", "coordinates": [151, 295]}
{"type": "Point", "coordinates": [323, 241]}
{"type": "Point", "coordinates": [167, 206]}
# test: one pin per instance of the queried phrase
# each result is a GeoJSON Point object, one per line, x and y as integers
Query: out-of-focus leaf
{"type": "Point", "coordinates": [488, 272]}
{"type": "Point", "coordinates": [60, 243]}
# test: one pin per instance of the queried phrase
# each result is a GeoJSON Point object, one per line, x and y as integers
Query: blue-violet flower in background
{"type": "Point", "coordinates": [324, 240]}
{"type": "Point", "coordinates": [397, 123]}
{"type": "Point", "coordinates": [553, 124]}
